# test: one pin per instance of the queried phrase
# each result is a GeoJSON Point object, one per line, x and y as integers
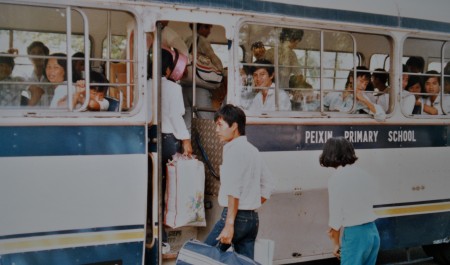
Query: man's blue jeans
{"type": "Point", "coordinates": [246, 227]}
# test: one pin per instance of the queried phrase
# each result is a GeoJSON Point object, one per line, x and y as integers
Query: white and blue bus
{"type": "Point", "coordinates": [83, 187]}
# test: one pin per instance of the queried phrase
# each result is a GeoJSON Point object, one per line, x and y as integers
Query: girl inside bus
{"type": "Point", "coordinates": [56, 72]}
{"type": "Point", "coordinates": [351, 198]}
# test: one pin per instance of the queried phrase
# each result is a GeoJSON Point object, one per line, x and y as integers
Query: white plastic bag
{"type": "Point", "coordinates": [185, 192]}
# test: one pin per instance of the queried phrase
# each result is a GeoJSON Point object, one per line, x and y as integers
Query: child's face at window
{"type": "Point", "coordinates": [97, 95]}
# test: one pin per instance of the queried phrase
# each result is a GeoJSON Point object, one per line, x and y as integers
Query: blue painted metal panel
{"type": "Point", "coordinates": [71, 140]}
{"type": "Point", "coordinates": [122, 253]}
{"type": "Point", "coordinates": [312, 137]}
{"type": "Point", "coordinates": [413, 230]}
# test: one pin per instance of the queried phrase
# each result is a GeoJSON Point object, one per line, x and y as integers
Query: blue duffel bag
{"type": "Point", "coordinates": [195, 252]}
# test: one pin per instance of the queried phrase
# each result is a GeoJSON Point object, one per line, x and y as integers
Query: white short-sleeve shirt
{"type": "Point", "coordinates": [244, 175]}
{"type": "Point", "coordinates": [352, 194]}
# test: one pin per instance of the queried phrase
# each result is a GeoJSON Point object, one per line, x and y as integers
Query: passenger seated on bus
{"type": "Point", "coordinates": [77, 67]}
{"type": "Point", "coordinates": [447, 78]}
{"type": "Point", "coordinates": [380, 81]}
{"type": "Point", "coordinates": [97, 100]}
{"type": "Point", "coordinates": [432, 103]}
{"type": "Point", "coordinates": [258, 50]}
{"type": "Point", "coordinates": [40, 95]}
{"type": "Point", "coordinates": [415, 88]}
{"type": "Point", "coordinates": [363, 103]}
{"type": "Point", "coordinates": [408, 100]}
{"type": "Point", "coordinates": [9, 93]}
{"type": "Point", "coordinates": [263, 81]}
{"type": "Point", "coordinates": [415, 64]}
{"type": "Point", "coordinates": [55, 71]}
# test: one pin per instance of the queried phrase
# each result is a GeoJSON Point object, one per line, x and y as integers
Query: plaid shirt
{"type": "Point", "coordinates": [10, 93]}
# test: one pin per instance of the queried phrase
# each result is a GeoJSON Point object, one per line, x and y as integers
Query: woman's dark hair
{"type": "Point", "coordinates": [414, 79]}
{"type": "Point", "coordinates": [232, 114]}
{"type": "Point", "coordinates": [337, 151]}
{"type": "Point", "coordinates": [166, 61]}
{"type": "Point", "coordinates": [61, 60]}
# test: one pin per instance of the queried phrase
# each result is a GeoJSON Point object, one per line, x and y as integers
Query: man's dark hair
{"type": "Point", "coordinates": [416, 62]}
{"type": "Point", "coordinates": [263, 64]}
{"type": "Point", "coordinates": [337, 151]}
{"type": "Point", "coordinates": [362, 71]}
{"type": "Point", "coordinates": [382, 75]}
{"type": "Point", "coordinates": [199, 25]}
{"type": "Point", "coordinates": [432, 73]}
{"type": "Point", "coordinates": [39, 44]}
{"type": "Point", "coordinates": [7, 60]}
{"type": "Point", "coordinates": [232, 114]}
{"type": "Point", "coordinates": [288, 34]}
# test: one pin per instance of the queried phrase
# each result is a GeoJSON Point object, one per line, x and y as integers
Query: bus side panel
{"type": "Point", "coordinates": [83, 193]}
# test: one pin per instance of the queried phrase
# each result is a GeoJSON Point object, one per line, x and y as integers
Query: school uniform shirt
{"type": "Point", "coordinates": [437, 104]}
{"type": "Point", "coordinates": [381, 99]}
{"type": "Point", "coordinates": [60, 93]}
{"type": "Point", "coordinates": [258, 105]}
{"type": "Point", "coordinates": [172, 110]}
{"type": "Point", "coordinates": [379, 115]}
{"type": "Point", "coordinates": [351, 194]}
{"type": "Point", "coordinates": [333, 101]}
{"type": "Point", "coordinates": [244, 175]}
{"type": "Point", "coordinates": [408, 102]}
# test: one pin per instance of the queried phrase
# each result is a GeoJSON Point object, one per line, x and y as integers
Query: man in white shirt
{"type": "Point", "coordinates": [264, 101]}
{"type": "Point", "coordinates": [246, 183]}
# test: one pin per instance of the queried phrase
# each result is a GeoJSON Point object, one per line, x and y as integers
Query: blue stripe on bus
{"type": "Point", "coordinates": [112, 254]}
{"type": "Point", "coordinates": [73, 231]}
{"type": "Point", "coordinates": [316, 13]}
{"type": "Point", "coordinates": [71, 140]}
{"type": "Point", "coordinates": [312, 137]}
{"type": "Point", "coordinates": [408, 231]}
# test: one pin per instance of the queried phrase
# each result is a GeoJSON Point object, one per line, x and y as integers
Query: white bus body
{"type": "Point", "coordinates": [82, 187]}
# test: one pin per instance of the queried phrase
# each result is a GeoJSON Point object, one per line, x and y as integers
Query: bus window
{"type": "Point", "coordinates": [305, 62]}
{"type": "Point", "coordinates": [34, 43]}
{"type": "Point", "coordinates": [427, 77]}
{"type": "Point", "coordinates": [222, 51]}
{"type": "Point", "coordinates": [380, 61]}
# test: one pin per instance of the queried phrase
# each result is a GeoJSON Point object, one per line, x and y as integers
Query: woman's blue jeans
{"type": "Point", "coordinates": [360, 244]}
{"type": "Point", "coordinates": [246, 227]}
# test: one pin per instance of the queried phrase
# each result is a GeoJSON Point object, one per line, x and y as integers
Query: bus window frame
{"type": "Point", "coordinates": [68, 111]}
{"type": "Point", "coordinates": [445, 42]}
{"type": "Point", "coordinates": [358, 59]}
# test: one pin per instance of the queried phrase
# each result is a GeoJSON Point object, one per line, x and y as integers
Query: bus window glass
{"type": "Point", "coordinates": [426, 72]}
{"type": "Point", "coordinates": [117, 47]}
{"type": "Point", "coordinates": [296, 56]}
{"type": "Point", "coordinates": [379, 61]}
{"type": "Point", "coordinates": [41, 42]}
